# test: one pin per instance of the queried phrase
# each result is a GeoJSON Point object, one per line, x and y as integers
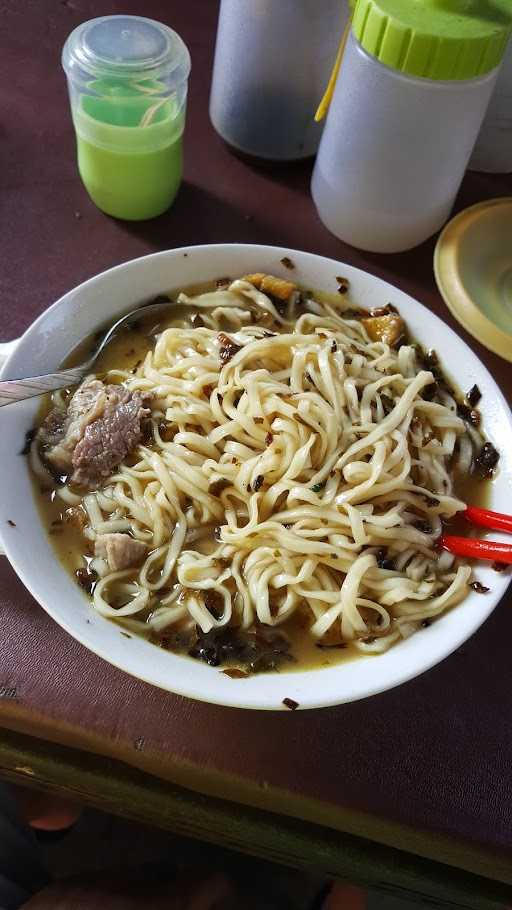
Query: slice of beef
{"type": "Point", "coordinates": [108, 440]}
{"type": "Point", "coordinates": [120, 550]}
{"type": "Point", "coordinates": [101, 425]}
{"type": "Point", "coordinates": [52, 430]}
{"type": "Point", "coordinates": [61, 430]}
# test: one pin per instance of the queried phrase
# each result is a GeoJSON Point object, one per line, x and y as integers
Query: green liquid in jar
{"type": "Point", "coordinates": [130, 153]}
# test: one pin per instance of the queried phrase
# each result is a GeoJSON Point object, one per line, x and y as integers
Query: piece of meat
{"type": "Point", "coordinates": [60, 432]}
{"type": "Point", "coordinates": [269, 284]}
{"type": "Point", "coordinates": [52, 429]}
{"type": "Point", "coordinates": [87, 397]}
{"type": "Point", "coordinates": [388, 328]}
{"type": "Point", "coordinates": [108, 440]}
{"type": "Point", "coordinates": [101, 425]}
{"type": "Point", "coordinates": [120, 550]}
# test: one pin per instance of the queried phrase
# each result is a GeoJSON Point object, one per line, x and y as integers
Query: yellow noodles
{"type": "Point", "coordinates": [310, 451]}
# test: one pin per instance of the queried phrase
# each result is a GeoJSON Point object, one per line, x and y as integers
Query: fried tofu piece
{"type": "Point", "coordinates": [388, 328]}
{"type": "Point", "coordinates": [269, 284]}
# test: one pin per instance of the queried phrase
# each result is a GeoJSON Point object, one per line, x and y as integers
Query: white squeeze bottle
{"type": "Point", "coordinates": [413, 88]}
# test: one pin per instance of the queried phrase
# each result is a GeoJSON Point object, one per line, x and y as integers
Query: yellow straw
{"type": "Point", "coordinates": [323, 107]}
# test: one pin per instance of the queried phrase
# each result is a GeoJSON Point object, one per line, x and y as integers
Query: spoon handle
{"type": "Point", "coordinates": [12, 390]}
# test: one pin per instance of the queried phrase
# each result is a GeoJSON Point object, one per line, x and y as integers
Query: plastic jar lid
{"type": "Point", "coordinates": [435, 39]}
{"type": "Point", "coordinates": [131, 47]}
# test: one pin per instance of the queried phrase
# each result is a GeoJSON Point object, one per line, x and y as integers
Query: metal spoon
{"type": "Point", "coordinates": [12, 390]}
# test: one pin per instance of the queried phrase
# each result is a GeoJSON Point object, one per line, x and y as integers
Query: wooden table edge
{"type": "Point", "coordinates": [266, 822]}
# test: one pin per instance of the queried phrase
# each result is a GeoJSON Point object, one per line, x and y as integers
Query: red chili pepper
{"type": "Point", "coordinates": [477, 549]}
{"type": "Point", "coordinates": [496, 521]}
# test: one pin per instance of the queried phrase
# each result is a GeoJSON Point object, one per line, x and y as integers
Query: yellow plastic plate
{"type": "Point", "coordinates": [473, 269]}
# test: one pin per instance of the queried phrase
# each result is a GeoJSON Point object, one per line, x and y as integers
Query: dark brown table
{"type": "Point", "coordinates": [410, 791]}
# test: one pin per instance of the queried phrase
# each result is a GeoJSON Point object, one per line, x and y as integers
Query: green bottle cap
{"type": "Point", "coordinates": [435, 39]}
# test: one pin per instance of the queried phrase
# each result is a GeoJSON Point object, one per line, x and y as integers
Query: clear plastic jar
{"type": "Point", "coordinates": [272, 61]}
{"type": "Point", "coordinates": [127, 79]}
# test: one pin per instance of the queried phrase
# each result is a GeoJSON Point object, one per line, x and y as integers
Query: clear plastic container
{"type": "Point", "coordinates": [272, 61]}
{"type": "Point", "coordinates": [394, 151]}
{"type": "Point", "coordinates": [493, 149]}
{"type": "Point", "coordinates": [127, 80]}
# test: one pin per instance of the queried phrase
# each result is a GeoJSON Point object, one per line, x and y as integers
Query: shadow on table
{"type": "Point", "coordinates": [198, 216]}
{"type": "Point", "coordinates": [296, 175]}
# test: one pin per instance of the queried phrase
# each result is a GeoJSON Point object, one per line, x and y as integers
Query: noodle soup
{"type": "Point", "coordinates": [286, 468]}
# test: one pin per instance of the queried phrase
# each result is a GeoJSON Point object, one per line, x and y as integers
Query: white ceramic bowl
{"type": "Point", "coordinates": [43, 348]}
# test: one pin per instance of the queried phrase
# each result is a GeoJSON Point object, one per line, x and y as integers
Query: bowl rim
{"type": "Point", "coordinates": [402, 670]}
{"type": "Point", "coordinates": [449, 282]}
